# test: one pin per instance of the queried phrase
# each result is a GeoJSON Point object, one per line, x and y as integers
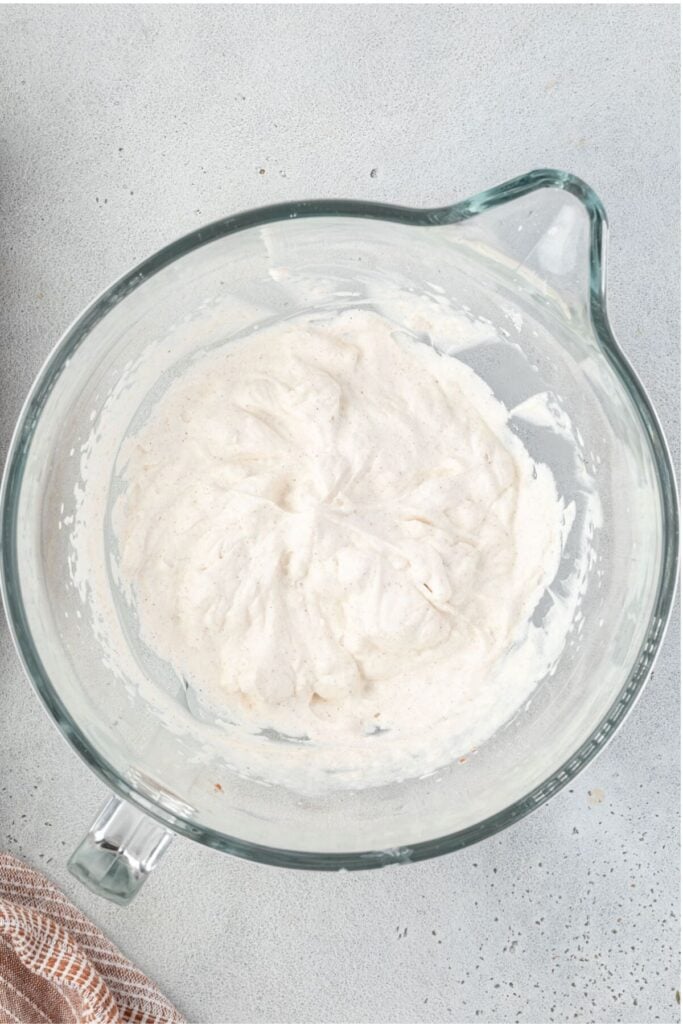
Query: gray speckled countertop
{"type": "Point", "coordinates": [122, 128]}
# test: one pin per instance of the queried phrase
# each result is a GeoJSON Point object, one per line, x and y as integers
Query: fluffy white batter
{"type": "Point", "coordinates": [330, 531]}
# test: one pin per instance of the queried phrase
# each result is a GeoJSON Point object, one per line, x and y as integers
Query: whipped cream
{"type": "Point", "coordinates": [333, 535]}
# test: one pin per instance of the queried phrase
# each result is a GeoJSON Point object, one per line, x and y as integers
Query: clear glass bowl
{"type": "Point", "coordinates": [528, 258]}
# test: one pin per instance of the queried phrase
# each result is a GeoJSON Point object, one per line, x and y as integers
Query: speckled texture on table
{"type": "Point", "coordinates": [122, 128]}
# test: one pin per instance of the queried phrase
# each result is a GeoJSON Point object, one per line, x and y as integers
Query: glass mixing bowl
{"type": "Point", "coordinates": [526, 259]}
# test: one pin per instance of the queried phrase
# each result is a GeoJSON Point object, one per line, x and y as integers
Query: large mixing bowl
{"type": "Point", "coordinates": [526, 260]}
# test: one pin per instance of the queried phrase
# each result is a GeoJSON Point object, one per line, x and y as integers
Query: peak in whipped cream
{"type": "Point", "coordinates": [331, 533]}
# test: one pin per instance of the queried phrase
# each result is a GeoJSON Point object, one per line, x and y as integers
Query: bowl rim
{"type": "Point", "coordinates": [76, 335]}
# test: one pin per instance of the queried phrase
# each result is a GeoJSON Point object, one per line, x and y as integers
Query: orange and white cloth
{"type": "Point", "coordinates": [57, 967]}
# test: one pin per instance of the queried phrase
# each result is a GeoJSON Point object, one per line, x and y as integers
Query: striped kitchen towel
{"type": "Point", "coordinates": [56, 966]}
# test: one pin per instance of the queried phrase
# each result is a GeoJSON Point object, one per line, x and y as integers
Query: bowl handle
{"type": "Point", "coordinates": [119, 851]}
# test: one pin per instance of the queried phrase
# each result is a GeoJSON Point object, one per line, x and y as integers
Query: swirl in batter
{"type": "Point", "coordinates": [330, 531]}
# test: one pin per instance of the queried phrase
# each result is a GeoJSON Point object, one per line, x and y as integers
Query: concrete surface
{"type": "Point", "coordinates": [121, 128]}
